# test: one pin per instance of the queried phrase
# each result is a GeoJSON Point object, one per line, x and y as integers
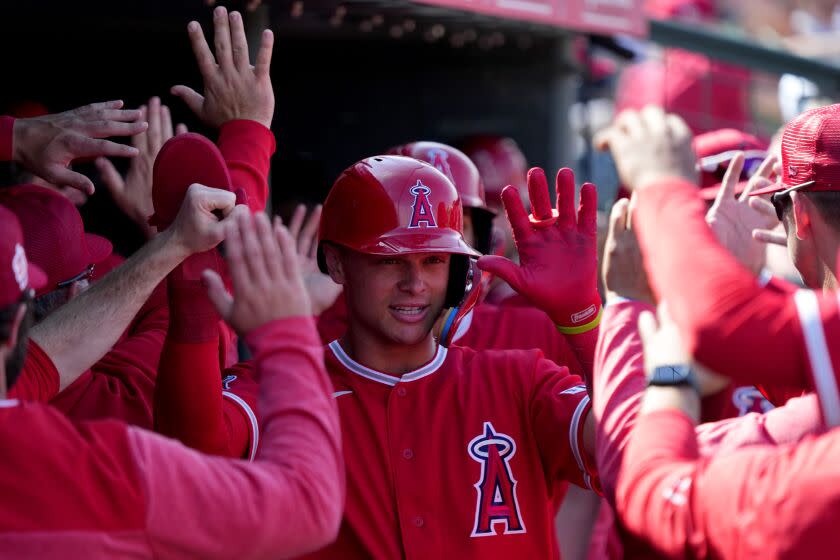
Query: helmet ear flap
{"type": "Point", "coordinates": [459, 271]}
{"type": "Point", "coordinates": [464, 284]}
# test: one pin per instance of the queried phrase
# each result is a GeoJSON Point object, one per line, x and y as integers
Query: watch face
{"type": "Point", "coordinates": [672, 375]}
{"type": "Point", "coordinates": [677, 374]}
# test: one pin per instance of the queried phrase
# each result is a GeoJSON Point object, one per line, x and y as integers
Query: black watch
{"type": "Point", "coordinates": [677, 375]}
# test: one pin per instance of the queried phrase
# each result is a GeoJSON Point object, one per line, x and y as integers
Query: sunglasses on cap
{"type": "Point", "coordinates": [86, 274]}
{"type": "Point", "coordinates": [777, 198]}
{"type": "Point", "coordinates": [720, 162]}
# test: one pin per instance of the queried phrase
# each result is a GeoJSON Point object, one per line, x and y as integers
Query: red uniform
{"type": "Point", "coordinates": [105, 490]}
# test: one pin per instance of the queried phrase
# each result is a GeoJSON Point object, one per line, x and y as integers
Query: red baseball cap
{"type": "Point", "coordinates": [183, 160]}
{"type": "Point", "coordinates": [715, 149]}
{"type": "Point", "coordinates": [55, 237]}
{"type": "Point", "coordinates": [16, 274]}
{"type": "Point", "coordinates": [810, 152]}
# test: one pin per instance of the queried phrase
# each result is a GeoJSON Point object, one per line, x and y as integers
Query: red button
{"type": "Point", "coordinates": [408, 453]}
{"type": "Point", "coordinates": [401, 391]}
{"type": "Point", "coordinates": [418, 521]}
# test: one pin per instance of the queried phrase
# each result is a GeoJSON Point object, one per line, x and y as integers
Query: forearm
{"type": "Point", "coordinates": [728, 322]}
{"type": "Point", "coordinates": [78, 334]}
{"type": "Point", "coordinates": [583, 344]}
{"type": "Point", "coordinates": [247, 147]}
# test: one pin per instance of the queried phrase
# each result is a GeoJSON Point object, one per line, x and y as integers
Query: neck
{"type": "Point", "coordinates": [391, 358]}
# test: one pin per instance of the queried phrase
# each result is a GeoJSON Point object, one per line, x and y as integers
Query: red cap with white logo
{"type": "Point", "coordinates": [17, 275]}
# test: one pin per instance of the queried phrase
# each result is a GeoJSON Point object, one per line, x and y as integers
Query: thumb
{"type": "Point", "coordinates": [110, 176]}
{"type": "Point", "coordinates": [218, 294]}
{"type": "Point", "coordinates": [192, 98]}
{"type": "Point", "coordinates": [502, 267]}
{"type": "Point", "coordinates": [62, 176]}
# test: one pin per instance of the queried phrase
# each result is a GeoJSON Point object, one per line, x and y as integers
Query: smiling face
{"type": "Point", "coordinates": [392, 299]}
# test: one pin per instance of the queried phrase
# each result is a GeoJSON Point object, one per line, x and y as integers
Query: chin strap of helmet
{"type": "Point", "coordinates": [456, 310]}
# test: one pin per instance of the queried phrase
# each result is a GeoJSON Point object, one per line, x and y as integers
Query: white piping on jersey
{"type": "Point", "coordinates": [255, 426]}
{"type": "Point", "coordinates": [8, 403]}
{"type": "Point", "coordinates": [384, 378]}
{"type": "Point", "coordinates": [574, 436]}
{"type": "Point", "coordinates": [464, 327]}
{"type": "Point", "coordinates": [808, 309]}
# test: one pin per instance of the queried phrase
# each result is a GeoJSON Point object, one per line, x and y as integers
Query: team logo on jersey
{"type": "Point", "coordinates": [496, 487]}
{"type": "Point", "coordinates": [421, 209]}
{"type": "Point", "coordinates": [440, 161]}
{"type": "Point", "coordinates": [750, 399]}
{"type": "Point", "coordinates": [226, 382]}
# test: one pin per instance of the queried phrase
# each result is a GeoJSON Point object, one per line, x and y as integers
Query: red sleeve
{"type": "Point", "coordinates": [583, 345]}
{"type": "Point", "coordinates": [297, 477]}
{"type": "Point", "coordinates": [7, 138]}
{"type": "Point", "coordinates": [247, 147]}
{"type": "Point", "coordinates": [558, 407]}
{"type": "Point", "coordinates": [39, 380]}
{"type": "Point", "coordinates": [617, 386]}
{"type": "Point", "coordinates": [121, 384]}
{"type": "Point", "coordinates": [729, 323]}
{"type": "Point", "coordinates": [239, 407]}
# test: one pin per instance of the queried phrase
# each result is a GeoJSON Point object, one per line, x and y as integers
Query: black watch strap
{"type": "Point", "coordinates": [676, 375]}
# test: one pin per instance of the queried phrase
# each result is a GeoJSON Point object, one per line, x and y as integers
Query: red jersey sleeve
{"type": "Point", "coordinates": [121, 384]}
{"type": "Point", "coordinates": [239, 407]}
{"type": "Point", "coordinates": [7, 138]}
{"type": "Point", "coordinates": [297, 476]}
{"type": "Point", "coordinates": [558, 407]}
{"type": "Point", "coordinates": [39, 380]}
{"type": "Point", "coordinates": [730, 323]}
{"type": "Point", "coordinates": [247, 147]}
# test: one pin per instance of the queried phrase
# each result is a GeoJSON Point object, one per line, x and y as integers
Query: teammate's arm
{"type": "Point", "coordinates": [83, 330]}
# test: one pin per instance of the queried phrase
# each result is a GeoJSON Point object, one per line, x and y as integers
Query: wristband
{"type": "Point", "coordinates": [586, 327]}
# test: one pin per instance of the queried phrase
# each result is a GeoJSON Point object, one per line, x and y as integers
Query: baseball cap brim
{"type": "Point", "coordinates": [183, 160]}
{"type": "Point", "coordinates": [98, 248]}
{"type": "Point", "coordinates": [769, 189]}
{"type": "Point", "coordinates": [422, 241]}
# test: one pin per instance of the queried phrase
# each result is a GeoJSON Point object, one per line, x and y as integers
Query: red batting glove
{"type": "Point", "coordinates": [558, 268]}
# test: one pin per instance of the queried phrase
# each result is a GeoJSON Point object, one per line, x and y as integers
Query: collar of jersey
{"type": "Point", "coordinates": [385, 378]}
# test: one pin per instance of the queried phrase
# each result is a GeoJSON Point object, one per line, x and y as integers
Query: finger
{"type": "Point", "coordinates": [516, 214]}
{"type": "Point", "coordinates": [252, 249]}
{"type": "Point", "coordinates": [602, 139]}
{"type": "Point", "coordinates": [753, 184]}
{"type": "Point", "coordinates": [270, 249]}
{"type": "Point", "coordinates": [239, 44]}
{"type": "Point", "coordinates": [618, 218]}
{"type": "Point", "coordinates": [104, 129]}
{"type": "Point", "coordinates": [502, 267]}
{"type": "Point", "coordinates": [61, 176]}
{"type": "Point", "coordinates": [201, 50]}
{"type": "Point", "coordinates": [730, 181]}
{"type": "Point", "coordinates": [263, 60]}
{"type": "Point", "coordinates": [110, 176]}
{"type": "Point", "coordinates": [296, 223]}
{"type": "Point", "coordinates": [647, 329]}
{"type": "Point", "coordinates": [215, 199]}
{"type": "Point", "coordinates": [629, 122]}
{"type": "Point", "coordinates": [677, 127]}
{"type": "Point", "coordinates": [234, 255]}
{"type": "Point", "coordinates": [769, 237]}
{"type": "Point", "coordinates": [565, 198]}
{"type": "Point", "coordinates": [91, 148]}
{"type": "Point", "coordinates": [221, 39]}
{"type": "Point", "coordinates": [766, 168]}
{"type": "Point", "coordinates": [166, 131]}
{"type": "Point", "coordinates": [654, 120]}
{"type": "Point", "coordinates": [139, 140]}
{"type": "Point", "coordinates": [588, 211]}
{"type": "Point", "coordinates": [180, 129]}
{"type": "Point", "coordinates": [764, 207]}
{"type": "Point", "coordinates": [153, 134]}
{"type": "Point", "coordinates": [538, 194]}
{"type": "Point", "coordinates": [121, 115]}
{"type": "Point", "coordinates": [218, 294]}
{"type": "Point", "coordinates": [310, 232]}
{"type": "Point", "coordinates": [193, 99]}
{"type": "Point", "coordinates": [101, 106]}
{"type": "Point", "coordinates": [291, 262]}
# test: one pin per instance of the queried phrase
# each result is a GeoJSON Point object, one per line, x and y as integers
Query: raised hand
{"type": "Point", "coordinates": [322, 290]}
{"type": "Point", "coordinates": [623, 267]}
{"type": "Point", "coordinates": [197, 227]}
{"type": "Point", "coordinates": [46, 145]}
{"type": "Point", "coordinates": [734, 219]}
{"type": "Point", "coordinates": [133, 194]}
{"type": "Point", "coordinates": [648, 146]}
{"type": "Point", "coordinates": [233, 89]}
{"type": "Point", "coordinates": [558, 267]}
{"type": "Point", "coordinates": [265, 271]}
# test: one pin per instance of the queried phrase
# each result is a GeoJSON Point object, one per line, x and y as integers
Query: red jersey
{"type": "Point", "coordinates": [459, 458]}
{"type": "Point", "coordinates": [104, 490]}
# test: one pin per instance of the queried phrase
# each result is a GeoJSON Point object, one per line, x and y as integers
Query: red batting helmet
{"type": "Point", "coordinates": [463, 173]}
{"type": "Point", "coordinates": [394, 205]}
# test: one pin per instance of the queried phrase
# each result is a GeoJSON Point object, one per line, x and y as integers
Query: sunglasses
{"type": "Point", "coordinates": [86, 274]}
{"type": "Point", "coordinates": [720, 162]}
{"type": "Point", "coordinates": [777, 198]}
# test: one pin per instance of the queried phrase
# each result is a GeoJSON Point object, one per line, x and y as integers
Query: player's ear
{"type": "Point", "coordinates": [802, 212]}
{"type": "Point", "coordinates": [332, 255]}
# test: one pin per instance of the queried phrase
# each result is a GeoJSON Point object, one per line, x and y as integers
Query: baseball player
{"type": "Point", "coordinates": [103, 489]}
{"type": "Point", "coordinates": [449, 451]}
